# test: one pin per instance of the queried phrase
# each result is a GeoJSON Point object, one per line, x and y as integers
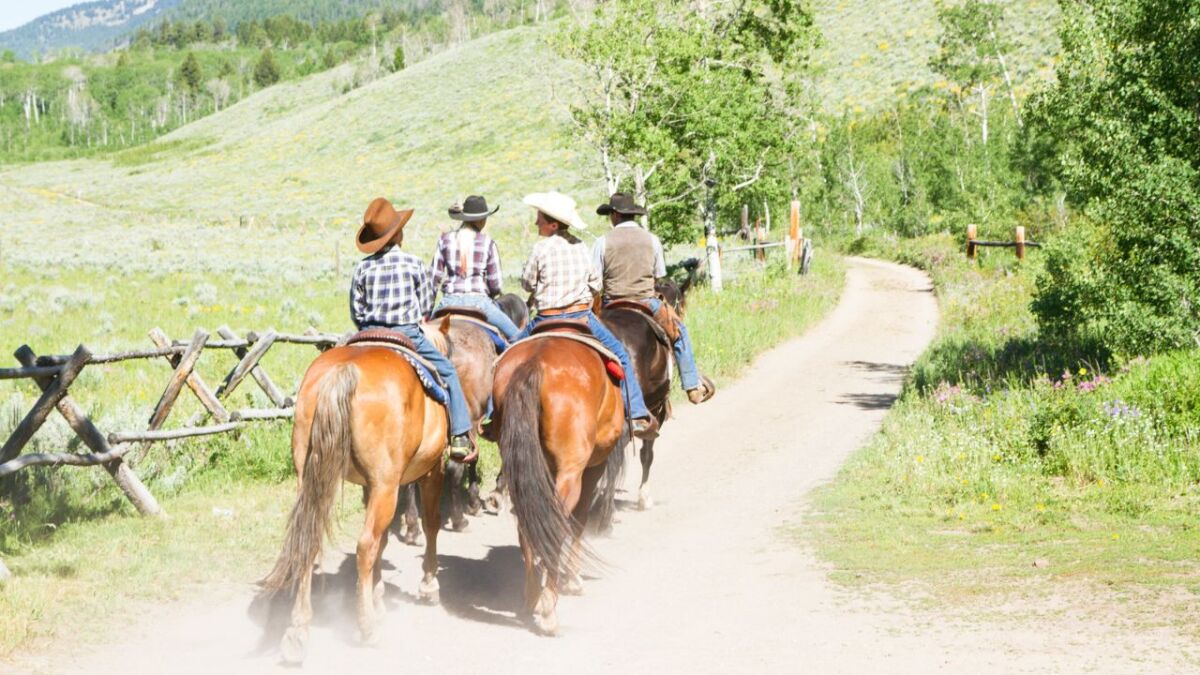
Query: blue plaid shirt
{"type": "Point", "coordinates": [390, 288]}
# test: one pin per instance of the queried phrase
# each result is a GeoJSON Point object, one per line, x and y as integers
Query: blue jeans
{"type": "Point", "coordinates": [486, 305]}
{"type": "Point", "coordinates": [633, 389]}
{"type": "Point", "coordinates": [689, 376]}
{"type": "Point", "coordinates": [460, 419]}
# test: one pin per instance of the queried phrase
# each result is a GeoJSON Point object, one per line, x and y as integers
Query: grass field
{"type": "Point", "coordinates": [1012, 475]}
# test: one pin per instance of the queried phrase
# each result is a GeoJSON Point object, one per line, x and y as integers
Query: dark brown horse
{"type": "Point", "coordinates": [558, 417]}
{"type": "Point", "coordinates": [651, 357]}
{"type": "Point", "coordinates": [363, 416]}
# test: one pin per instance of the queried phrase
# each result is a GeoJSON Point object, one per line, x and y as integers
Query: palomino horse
{"type": "Point", "coordinates": [361, 415]}
{"type": "Point", "coordinates": [559, 415]}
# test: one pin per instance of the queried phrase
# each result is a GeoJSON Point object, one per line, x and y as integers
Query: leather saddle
{"type": "Point", "coordinates": [384, 335]}
{"type": "Point", "coordinates": [662, 322]}
{"type": "Point", "coordinates": [561, 326]}
{"type": "Point", "coordinates": [469, 312]}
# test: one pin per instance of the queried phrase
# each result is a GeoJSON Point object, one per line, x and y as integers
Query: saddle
{"type": "Point", "coordinates": [577, 331]}
{"type": "Point", "coordinates": [384, 335]}
{"type": "Point", "coordinates": [469, 312]}
{"type": "Point", "coordinates": [402, 345]}
{"type": "Point", "coordinates": [562, 325]}
{"type": "Point", "coordinates": [661, 322]}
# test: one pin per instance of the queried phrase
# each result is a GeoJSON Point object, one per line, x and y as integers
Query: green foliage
{"type": "Point", "coordinates": [969, 47]}
{"type": "Point", "coordinates": [676, 98]}
{"type": "Point", "coordinates": [190, 74]}
{"type": "Point", "coordinates": [1121, 122]}
{"type": "Point", "coordinates": [266, 73]}
{"type": "Point", "coordinates": [398, 59]}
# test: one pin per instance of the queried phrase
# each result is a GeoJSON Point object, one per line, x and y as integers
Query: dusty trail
{"type": "Point", "coordinates": [706, 581]}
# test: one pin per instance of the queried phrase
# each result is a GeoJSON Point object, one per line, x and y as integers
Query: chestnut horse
{"type": "Point", "coordinates": [558, 417]}
{"type": "Point", "coordinates": [363, 416]}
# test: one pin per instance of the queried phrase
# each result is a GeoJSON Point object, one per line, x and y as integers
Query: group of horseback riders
{"type": "Point", "coordinates": [395, 290]}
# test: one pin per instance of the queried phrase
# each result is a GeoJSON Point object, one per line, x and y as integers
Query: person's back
{"type": "Point", "coordinates": [629, 263]}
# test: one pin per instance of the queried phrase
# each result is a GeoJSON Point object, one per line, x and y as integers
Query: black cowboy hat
{"type": "Point", "coordinates": [621, 202]}
{"type": "Point", "coordinates": [473, 209]}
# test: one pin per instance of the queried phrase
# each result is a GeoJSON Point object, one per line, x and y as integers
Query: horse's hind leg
{"type": "Point", "coordinates": [455, 476]}
{"type": "Point", "coordinates": [474, 503]}
{"type": "Point", "coordinates": [573, 585]}
{"type": "Point", "coordinates": [294, 645]}
{"type": "Point", "coordinates": [431, 519]}
{"type": "Point", "coordinates": [381, 507]}
{"type": "Point", "coordinates": [645, 501]}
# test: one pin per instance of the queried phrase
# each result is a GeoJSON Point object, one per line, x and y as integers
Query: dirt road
{"type": "Point", "coordinates": [707, 581]}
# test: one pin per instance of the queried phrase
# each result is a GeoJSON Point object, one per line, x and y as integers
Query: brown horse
{"type": "Point", "coordinates": [473, 354]}
{"type": "Point", "coordinates": [363, 416]}
{"type": "Point", "coordinates": [559, 415]}
{"type": "Point", "coordinates": [651, 357]}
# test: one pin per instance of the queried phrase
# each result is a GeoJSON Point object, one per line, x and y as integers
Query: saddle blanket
{"type": "Point", "coordinates": [426, 373]}
{"type": "Point", "coordinates": [611, 363]}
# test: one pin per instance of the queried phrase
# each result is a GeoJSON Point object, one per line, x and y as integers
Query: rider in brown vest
{"type": "Point", "coordinates": [630, 259]}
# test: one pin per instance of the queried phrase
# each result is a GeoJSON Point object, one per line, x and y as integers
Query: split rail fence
{"type": "Point", "coordinates": [54, 376]}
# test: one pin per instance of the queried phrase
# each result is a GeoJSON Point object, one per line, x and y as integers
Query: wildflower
{"type": "Point", "coordinates": [983, 496]}
{"type": "Point", "coordinates": [996, 507]}
{"type": "Point", "coordinates": [1083, 371]}
{"type": "Point", "coordinates": [1100, 482]}
{"type": "Point", "coordinates": [996, 458]}
{"type": "Point", "coordinates": [920, 459]}
{"type": "Point", "coordinates": [1041, 507]}
{"type": "Point", "coordinates": [1115, 536]}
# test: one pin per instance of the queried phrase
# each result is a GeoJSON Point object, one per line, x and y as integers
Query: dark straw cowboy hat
{"type": "Point", "coordinates": [381, 223]}
{"type": "Point", "coordinates": [622, 203]}
{"type": "Point", "coordinates": [473, 209]}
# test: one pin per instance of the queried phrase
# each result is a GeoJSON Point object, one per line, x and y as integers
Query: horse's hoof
{"type": "Point", "coordinates": [369, 638]}
{"type": "Point", "coordinates": [474, 507]}
{"type": "Point", "coordinates": [429, 592]}
{"type": "Point", "coordinates": [293, 647]}
{"type": "Point", "coordinates": [461, 525]}
{"type": "Point", "coordinates": [546, 624]}
{"type": "Point", "coordinates": [410, 540]}
{"type": "Point", "coordinates": [574, 586]}
{"type": "Point", "coordinates": [645, 502]}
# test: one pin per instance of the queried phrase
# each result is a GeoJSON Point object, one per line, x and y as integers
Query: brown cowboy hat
{"type": "Point", "coordinates": [622, 203]}
{"type": "Point", "coordinates": [380, 225]}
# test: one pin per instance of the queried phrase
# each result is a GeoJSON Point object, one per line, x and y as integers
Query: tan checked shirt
{"type": "Point", "coordinates": [560, 274]}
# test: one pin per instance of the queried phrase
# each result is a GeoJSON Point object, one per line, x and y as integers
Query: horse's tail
{"type": "Point", "coordinates": [329, 449]}
{"type": "Point", "coordinates": [544, 525]}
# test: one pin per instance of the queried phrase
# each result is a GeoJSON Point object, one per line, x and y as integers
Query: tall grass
{"type": "Point", "coordinates": [1002, 451]}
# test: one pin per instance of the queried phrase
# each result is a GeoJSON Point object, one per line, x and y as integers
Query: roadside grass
{"type": "Point", "coordinates": [1010, 471]}
{"type": "Point", "coordinates": [83, 563]}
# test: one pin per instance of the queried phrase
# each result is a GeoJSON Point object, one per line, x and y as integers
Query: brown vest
{"type": "Point", "coordinates": [628, 264]}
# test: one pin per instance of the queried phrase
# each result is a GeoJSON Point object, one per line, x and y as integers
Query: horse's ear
{"type": "Point", "coordinates": [444, 326]}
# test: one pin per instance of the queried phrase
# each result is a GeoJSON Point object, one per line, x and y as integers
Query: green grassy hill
{"type": "Point", "coordinates": [287, 172]}
{"type": "Point", "coordinates": [874, 50]}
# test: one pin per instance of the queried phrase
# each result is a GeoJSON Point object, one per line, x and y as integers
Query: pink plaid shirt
{"type": "Point", "coordinates": [473, 271]}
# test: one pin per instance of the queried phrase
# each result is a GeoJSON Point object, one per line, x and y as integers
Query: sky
{"type": "Point", "coordinates": [14, 13]}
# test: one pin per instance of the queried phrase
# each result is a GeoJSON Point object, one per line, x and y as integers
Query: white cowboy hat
{"type": "Point", "coordinates": [558, 206]}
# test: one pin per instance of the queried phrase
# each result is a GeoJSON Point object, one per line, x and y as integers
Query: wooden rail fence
{"type": "Point", "coordinates": [54, 376]}
{"type": "Point", "coordinates": [1018, 244]}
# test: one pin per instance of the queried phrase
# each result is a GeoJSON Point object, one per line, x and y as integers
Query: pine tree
{"type": "Point", "coordinates": [398, 60]}
{"type": "Point", "coordinates": [190, 73]}
{"type": "Point", "coordinates": [266, 73]}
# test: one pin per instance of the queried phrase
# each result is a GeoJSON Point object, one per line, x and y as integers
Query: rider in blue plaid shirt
{"type": "Point", "coordinates": [392, 289]}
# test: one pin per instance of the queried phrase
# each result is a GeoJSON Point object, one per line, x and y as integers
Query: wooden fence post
{"type": "Point", "coordinates": [1019, 239]}
{"type": "Point", "coordinates": [256, 371]}
{"type": "Point", "coordinates": [45, 404]}
{"type": "Point", "coordinates": [972, 235]}
{"type": "Point", "coordinates": [135, 491]}
{"type": "Point", "coordinates": [182, 371]}
{"type": "Point", "coordinates": [745, 229]}
{"type": "Point", "coordinates": [194, 381]}
{"type": "Point", "coordinates": [794, 233]}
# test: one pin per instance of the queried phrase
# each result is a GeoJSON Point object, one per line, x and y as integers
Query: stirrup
{"type": "Point", "coordinates": [707, 389]}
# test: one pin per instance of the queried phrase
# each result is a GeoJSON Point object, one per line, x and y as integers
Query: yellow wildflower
{"type": "Point", "coordinates": [996, 507]}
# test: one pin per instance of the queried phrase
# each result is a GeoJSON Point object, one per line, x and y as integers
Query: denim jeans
{"type": "Point", "coordinates": [633, 389]}
{"type": "Point", "coordinates": [689, 376]}
{"type": "Point", "coordinates": [460, 419]}
{"type": "Point", "coordinates": [495, 316]}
